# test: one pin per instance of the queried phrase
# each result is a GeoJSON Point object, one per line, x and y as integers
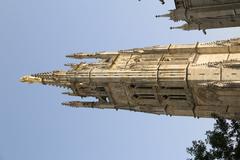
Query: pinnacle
{"type": "Point", "coordinates": [30, 79]}
{"type": "Point", "coordinates": [167, 15]}
{"type": "Point", "coordinates": [177, 27]}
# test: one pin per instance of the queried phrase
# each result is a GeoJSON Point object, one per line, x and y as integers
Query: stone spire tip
{"type": "Point", "coordinates": [30, 79]}
{"type": "Point", "coordinates": [177, 27]}
{"type": "Point", "coordinates": [167, 15]}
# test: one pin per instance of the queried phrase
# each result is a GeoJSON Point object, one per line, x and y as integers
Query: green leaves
{"type": "Point", "coordinates": [221, 143]}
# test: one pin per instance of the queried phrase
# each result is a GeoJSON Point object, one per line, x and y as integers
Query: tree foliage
{"type": "Point", "coordinates": [223, 143]}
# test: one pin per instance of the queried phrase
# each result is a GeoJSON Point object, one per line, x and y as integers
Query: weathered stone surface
{"type": "Point", "coordinates": [205, 14]}
{"type": "Point", "coordinates": [199, 80]}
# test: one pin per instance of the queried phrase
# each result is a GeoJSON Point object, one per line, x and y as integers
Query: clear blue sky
{"type": "Point", "coordinates": [36, 35]}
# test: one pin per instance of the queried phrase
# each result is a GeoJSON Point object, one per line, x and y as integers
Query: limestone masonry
{"type": "Point", "coordinates": [206, 14]}
{"type": "Point", "coordinates": [199, 80]}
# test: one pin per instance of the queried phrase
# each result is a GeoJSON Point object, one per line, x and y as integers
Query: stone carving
{"type": "Point", "coordinates": [203, 15]}
{"type": "Point", "coordinates": [196, 80]}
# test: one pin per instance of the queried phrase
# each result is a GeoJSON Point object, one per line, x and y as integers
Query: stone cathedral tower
{"type": "Point", "coordinates": [199, 80]}
{"type": "Point", "coordinates": [205, 14]}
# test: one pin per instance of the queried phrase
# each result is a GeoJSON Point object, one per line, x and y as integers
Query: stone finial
{"type": "Point", "coordinates": [30, 79]}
